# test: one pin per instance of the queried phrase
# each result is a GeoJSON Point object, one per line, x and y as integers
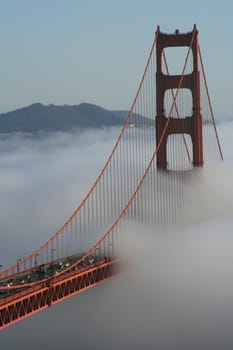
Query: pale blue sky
{"type": "Point", "coordinates": [73, 51]}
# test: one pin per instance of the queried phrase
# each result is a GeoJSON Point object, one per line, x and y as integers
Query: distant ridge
{"type": "Point", "coordinates": [49, 118]}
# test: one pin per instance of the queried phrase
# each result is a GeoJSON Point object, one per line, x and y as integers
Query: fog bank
{"type": "Point", "coordinates": [176, 291]}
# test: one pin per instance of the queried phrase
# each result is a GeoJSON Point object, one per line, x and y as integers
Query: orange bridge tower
{"type": "Point", "coordinates": [191, 125]}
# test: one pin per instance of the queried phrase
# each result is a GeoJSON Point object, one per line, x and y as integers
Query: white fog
{"type": "Point", "coordinates": [177, 292]}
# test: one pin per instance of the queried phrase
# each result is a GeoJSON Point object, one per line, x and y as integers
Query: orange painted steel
{"type": "Point", "coordinates": [33, 297]}
{"type": "Point", "coordinates": [191, 125]}
{"type": "Point", "coordinates": [26, 303]}
{"type": "Point", "coordinates": [64, 285]}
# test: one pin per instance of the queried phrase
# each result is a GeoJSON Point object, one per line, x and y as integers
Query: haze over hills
{"type": "Point", "coordinates": [49, 118]}
{"type": "Point", "coordinates": [39, 118]}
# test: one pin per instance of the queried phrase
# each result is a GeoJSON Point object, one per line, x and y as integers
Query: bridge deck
{"type": "Point", "coordinates": [42, 295]}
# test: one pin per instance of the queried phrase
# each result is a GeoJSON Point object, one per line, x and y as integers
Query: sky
{"type": "Point", "coordinates": [68, 52]}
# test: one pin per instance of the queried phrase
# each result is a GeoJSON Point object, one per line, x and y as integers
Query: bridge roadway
{"type": "Point", "coordinates": [37, 288]}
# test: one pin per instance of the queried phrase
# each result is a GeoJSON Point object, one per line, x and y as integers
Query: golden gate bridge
{"type": "Point", "coordinates": [169, 131]}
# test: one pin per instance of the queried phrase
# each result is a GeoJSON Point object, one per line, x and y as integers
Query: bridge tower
{"type": "Point", "coordinates": [191, 125]}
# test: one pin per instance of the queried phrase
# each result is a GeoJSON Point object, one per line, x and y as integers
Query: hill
{"type": "Point", "coordinates": [48, 118]}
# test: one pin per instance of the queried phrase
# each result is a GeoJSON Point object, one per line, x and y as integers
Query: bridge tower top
{"type": "Point", "coordinates": [191, 125]}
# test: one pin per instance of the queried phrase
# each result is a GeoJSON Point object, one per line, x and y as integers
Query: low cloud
{"type": "Point", "coordinates": [176, 291]}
